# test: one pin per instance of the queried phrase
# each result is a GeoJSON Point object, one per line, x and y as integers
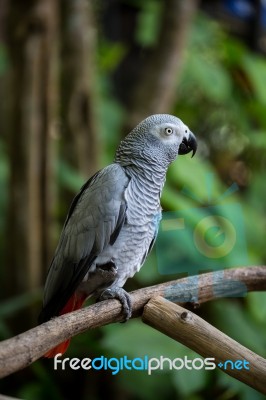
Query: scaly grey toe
{"type": "Point", "coordinates": [121, 295]}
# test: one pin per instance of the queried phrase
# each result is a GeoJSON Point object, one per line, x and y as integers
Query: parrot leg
{"type": "Point", "coordinates": [104, 274]}
{"type": "Point", "coordinates": [101, 278]}
{"type": "Point", "coordinates": [121, 295]}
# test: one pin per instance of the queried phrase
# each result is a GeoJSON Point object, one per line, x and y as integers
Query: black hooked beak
{"type": "Point", "coordinates": [188, 145]}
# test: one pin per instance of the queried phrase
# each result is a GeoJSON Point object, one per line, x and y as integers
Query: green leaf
{"type": "Point", "coordinates": [15, 304]}
{"type": "Point", "coordinates": [256, 70]}
{"type": "Point", "coordinates": [141, 386]}
{"type": "Point", "coordinates": [148, 274]}
{"type": "Point", "coordinates": [148, 22]}
{"type": "Point", "coordinates": [258, 139]}
{"type": "Point", "coordinates": [69, 177]}
{"type": "Point", "coordinates": [209, 77]}
{"type": "Point", "coordinates": [237, 389]}
{"type": "Point", "coordinates": [188, 382]}
{"type": "Point", "coordinates": [110, 55]}
{"type": "Point", "coordinates": [256, 302]}
{"type": "Point", "coordinates": [125, 340]}
{"type": "Point", "coordinates": [136, 339]}
{"type": "Point", "coordinates": [196, 180]}
{"type": "Point", "coordinates": [234, 321]}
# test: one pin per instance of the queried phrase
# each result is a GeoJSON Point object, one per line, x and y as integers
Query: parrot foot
{"type": "Point", "coordinates": [121, 295]}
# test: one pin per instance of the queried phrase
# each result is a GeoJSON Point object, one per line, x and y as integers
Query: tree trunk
{"type": "Point", "coordinates": [79, 114]}
{"type": "Point", "coordinates": [155, 91]}
{"type": "Point", "coordinates": [146, 79]}
{"type": "Point", "coordinates": [32, 42]}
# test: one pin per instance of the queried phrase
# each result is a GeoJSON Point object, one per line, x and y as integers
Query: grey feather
{"type": "Point", "coordinates": [86, 233]}
{"type": "Point", "coordinates": [113, 221]}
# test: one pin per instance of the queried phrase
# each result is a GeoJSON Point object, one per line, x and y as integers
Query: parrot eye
{"type": "Point", "coordinates": [168, 131]}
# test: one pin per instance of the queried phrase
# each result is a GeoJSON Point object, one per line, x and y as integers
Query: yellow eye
{"type": "Point", "coordinates": [168, 131]}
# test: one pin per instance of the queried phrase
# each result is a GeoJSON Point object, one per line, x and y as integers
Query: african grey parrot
{"type": "Point", "coordinates": [113, 221]}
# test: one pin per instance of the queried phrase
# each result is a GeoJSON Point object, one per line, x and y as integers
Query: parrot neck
{"type": "Point", "coordinates": [143, 194]}
{"type": "Point", "coordinates": [146, 170]}
{"type": "Point", "coordinates": [151, 179]}
{"type": "Point", "coordinates": [149, 172]}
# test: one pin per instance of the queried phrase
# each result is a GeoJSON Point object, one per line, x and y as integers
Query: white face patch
{"type": "Point", "coordinates": [170, 134]}
{"type": "Point", "coordinates": [186, 131]}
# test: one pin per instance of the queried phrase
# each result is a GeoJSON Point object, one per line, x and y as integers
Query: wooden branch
{"type": "Point", "coordinates": [187, 328]}
{"type": "Point", "coordinates": [20, 351]}
{"type": "Point", "coordinates": [4, 397]}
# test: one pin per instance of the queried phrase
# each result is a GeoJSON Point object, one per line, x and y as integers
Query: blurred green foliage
{"type": "Point", "coordinates": [221, 96]}
{"type": "Point", "coordinates": [148, 23]}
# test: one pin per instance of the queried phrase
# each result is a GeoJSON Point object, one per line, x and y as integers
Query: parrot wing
{"type": "Point", "coordinates": [95, 219]}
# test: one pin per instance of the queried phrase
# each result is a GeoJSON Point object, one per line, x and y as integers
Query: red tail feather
{"type": "Point", "coordinates": [74, 303]}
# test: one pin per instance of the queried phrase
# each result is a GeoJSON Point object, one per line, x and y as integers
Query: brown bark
{"type": "Point", "coordinates": [155, 91]}
{"type": "Point", "coordinates": [32, 41]}
{"type": "Point", "coordinates": [79, 94]}
{"type": "Point", "coordinates": [3, 72]}
{"type": "Point", "coordinates": [2, 397]}
{"type": "Point", "coordinates": [192, 331]}
{"type": "Point", "coordinates": [19, 352]}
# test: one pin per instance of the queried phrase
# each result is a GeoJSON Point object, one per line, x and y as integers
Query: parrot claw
{"type": "Point", "coordinates": [121, 295]}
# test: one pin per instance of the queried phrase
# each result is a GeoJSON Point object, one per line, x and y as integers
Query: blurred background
{"type": "Point", "coordinates": [75, 77]}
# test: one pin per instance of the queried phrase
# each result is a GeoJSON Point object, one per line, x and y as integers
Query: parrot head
{"type": "Point", "coordinates": [158, 139]}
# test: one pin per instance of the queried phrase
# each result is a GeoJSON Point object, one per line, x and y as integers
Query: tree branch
{"type": "Point", "coordinates": [197, 334]}
{"type": "Point", "coordinates": [3, 397]}
{"type": "Point", "coordinates": [20, 351]}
